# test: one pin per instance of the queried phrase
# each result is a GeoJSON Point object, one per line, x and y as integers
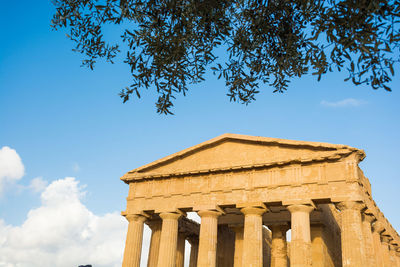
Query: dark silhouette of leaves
{"type": "Point", "coordinates": [171, 44]}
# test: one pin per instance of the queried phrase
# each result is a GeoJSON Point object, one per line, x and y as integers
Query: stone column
{"type": "Point", "coordinates": [300, 245]}
{"type": "Point", "coordinates": [168, 240]}
{"type": "Point", "coordinates": [318, 247]}
{"type": "Point", "coordinates": [155, 226]}
{"type": "Point", "coordinates": [279, 245]}
{"type": "Point", "coordinates": [133, 244]}
{"type": "Point", "coordinates": [352, 236]}
{"type": "Point", "coordinates": [370, 255]}
{"type": "Point", "coordinates": [398, 257]}
{"type": "Point", "coordinates": [194, 249]}
{"type": "Point", "coordinates": [225, 246]}
{"type": "Point", "coordinates": [180, 251]}
{"type": "Point", "coordinates": [392, 254]}
{"type": "Point", "coordinates": [377, 229]}
{"type": "Point", "coordinates": [385, 250]}
{"type": "Point", "coordinates": [238, 229]}
{"type": "Point", "coordinates": [207, 255]}
{"type": "Point", "coordinates": [267, 244]}
{"type": "Point", "coordinates": [252, 251]}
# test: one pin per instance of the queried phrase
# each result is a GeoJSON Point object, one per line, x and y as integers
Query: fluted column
{"type": "Point", "coordinates": [300, 245]}
{"type": "Point", "coordinates": [279, 245]}
{"type": "Point", "coordinates": [237, 259]}
{"type": "Point", "coordinates": [377, 229]}
{"type": "Point", "coordinates": [207, 256]}
{"type": "Point", "coordinates": [252, 251]}
{"type": "Point", "coordinates": [155, 226]}
{"type": "Point", "coordinates": [385, 250]}
{"type": "Point", "coordinates": [267, 244]}
{"type": "Point", "coordinates": [392, 254]}
{"type": "Point", "coordinates": [318, 246]}
{"type": "Point", "coordinates": [168, 240]}
{"type": "Point", "coordinates": [133, 244]}
{"type": "Point", "coordinates": [194, 249]}
{"type": "Point", "coordinates": [351, 234]}
{"type": "Point", "coordinates": [368, 240]}
{"type": "Point", "coordinates": [180, 251]}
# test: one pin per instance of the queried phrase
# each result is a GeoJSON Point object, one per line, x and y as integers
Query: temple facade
{"type": "Point", "coordinates": [249, 191]}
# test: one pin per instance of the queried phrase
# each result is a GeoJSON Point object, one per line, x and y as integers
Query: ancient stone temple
{"type": "Point", "coordinates": [249, 191]}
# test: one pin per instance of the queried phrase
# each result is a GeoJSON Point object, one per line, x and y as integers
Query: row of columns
{"type": "Point", "coordinates": [387, 254]}
{"type": "Point", "coordinates": [361, 244]}
{"type": "Point", "coordinates": [363, 240]}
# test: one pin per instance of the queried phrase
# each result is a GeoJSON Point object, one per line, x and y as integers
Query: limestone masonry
{"type": "Point", "coordinates": [249, 191]}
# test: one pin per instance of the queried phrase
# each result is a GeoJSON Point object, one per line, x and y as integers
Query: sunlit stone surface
{"type": "Point", "coordinates": [248, 192]}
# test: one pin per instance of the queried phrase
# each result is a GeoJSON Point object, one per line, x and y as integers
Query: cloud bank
{"type": "Point", "coordinates": [11, 167]}
{"type": "Point", "coordinates": [348, 102]}
{"type": "Point", "coordinates": [63, 232]}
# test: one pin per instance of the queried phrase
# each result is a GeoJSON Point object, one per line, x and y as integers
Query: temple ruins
{"type": "Point", "coordinates": [249, 191]}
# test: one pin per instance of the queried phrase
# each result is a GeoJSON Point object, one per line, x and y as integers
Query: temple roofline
{"type": "Point", "coordinates": [241, 138]}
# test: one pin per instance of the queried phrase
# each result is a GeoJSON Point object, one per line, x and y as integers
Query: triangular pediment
{"type": "Point", "coordinates": [235, 151]}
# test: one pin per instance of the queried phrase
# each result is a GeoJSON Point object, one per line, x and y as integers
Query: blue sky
{"type": "Point", "coordinates": [64, 120]}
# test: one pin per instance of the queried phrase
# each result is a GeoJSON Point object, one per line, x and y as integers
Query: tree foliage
{"type": "Point", "coordinates": [172, 43]}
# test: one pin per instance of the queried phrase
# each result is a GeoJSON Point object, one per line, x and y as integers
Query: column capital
{"type": "Point", "coordinates": [378, 227]}
{"type": "Point", "coordinates": [279, 227]}
{"type": "Point", "coordinates": [350, 205]}
{"type": "Point", "coordinates": [170, 215]}
{"type": "Point", "coordinates": [209, 213]}
{"type": "Point", "coordinates": [253, 211]}
{"type": "Point", "coordinates": [300, 207]}
{"type": "Point", "coordinates": [368, 217]}
{"type": "Point", "coordinates": [135, 217]}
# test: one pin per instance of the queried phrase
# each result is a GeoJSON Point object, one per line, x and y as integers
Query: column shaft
{"type": "Point", "coordinates": [377, 229]}
{"type": "Point", "coordinates": [194, 249]}
{"type": "Point", "coordinates": [398, 258]}
{"type": "Point", "coordinates": [392, 254]}
{"type": "Point", "coordinates": [279, 245]}
{"type": "Point", "coordinates": [267, 244]}
{"type": "Point", "coordinates": [237, 260]}
{"type": "Point", "coordinates": [133, 244]}
{"type": "Point", "coordinates": [370, 255]}
{"type": "Point", "coordinates": [300, 245]}
{"type": "Point", "coordinates": [207, 255]}
{"type": "Point", "coordinates": [155, 227]}
{"type": "Point", "coordinates": [225, 246]}
{"type": "Point", "coordinates": [180, 251]}
{"type": "Point", "coordinates": [168, 240]}
{"type": "Point", "coordinates": [352, 237]}
{"type": "Point", "coordinates": [252, 237]}
{"type": "Point", "coordinates": [385, 251]}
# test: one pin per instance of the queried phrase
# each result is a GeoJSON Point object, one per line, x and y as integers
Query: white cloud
{"type": "Point", "coordinates": [11, 167]}
{"type": "Point", "coordinates": [348, 102]}
{"type": "Point", "coordinates": [38, 184]}
{"type": "Point", "coordinates": [63, 232]}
